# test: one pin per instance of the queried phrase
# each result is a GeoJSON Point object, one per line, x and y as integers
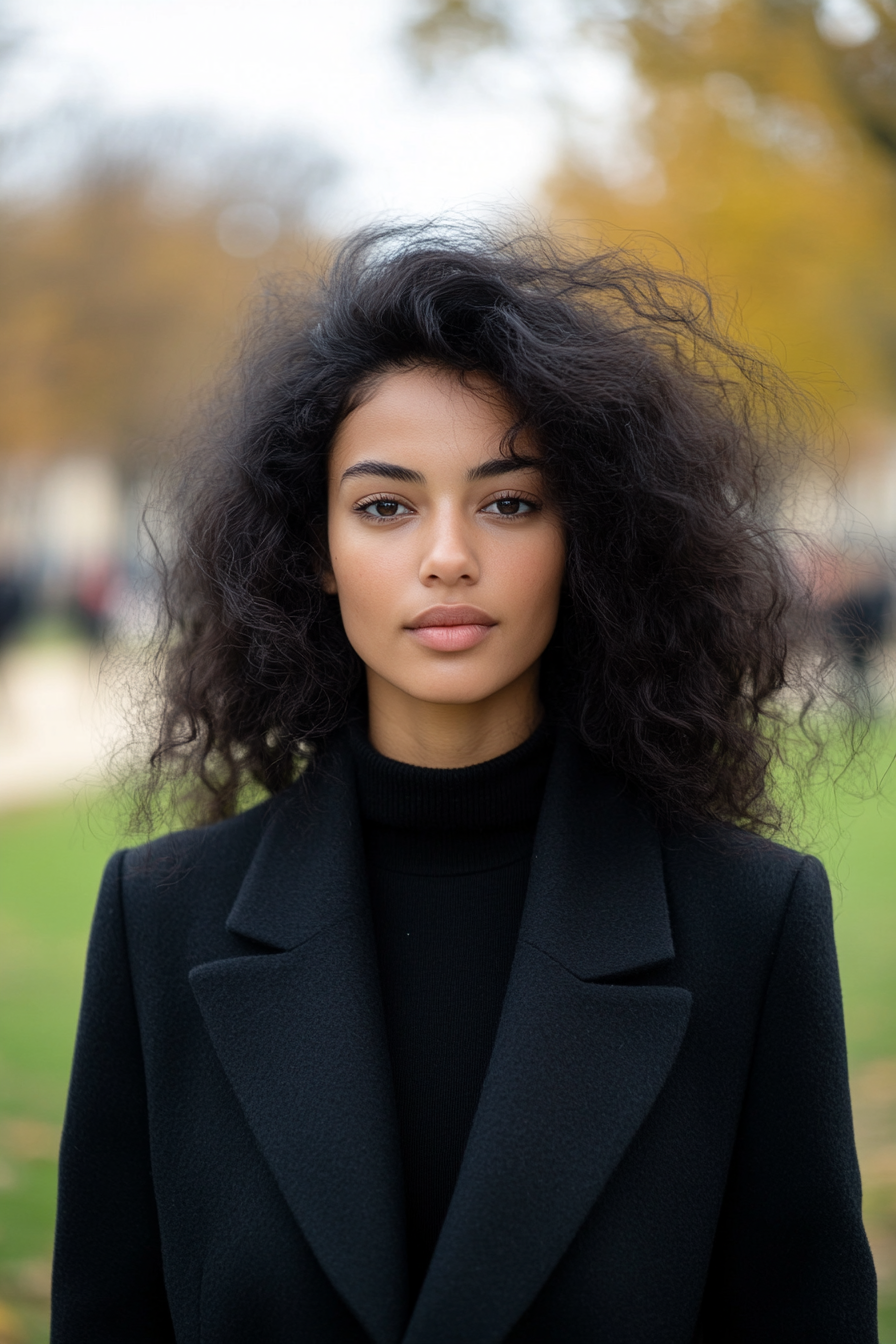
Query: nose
{"type": "Point", "coordinates": [448, 555]}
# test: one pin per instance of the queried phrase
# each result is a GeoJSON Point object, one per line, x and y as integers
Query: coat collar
{"type": "Point", "coordinates": [576, 1066]}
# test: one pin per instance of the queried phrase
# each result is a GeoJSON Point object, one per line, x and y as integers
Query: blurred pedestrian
{"type": "Point", "coordinates": [861, 621]}
{"type": "Point", "coordinates": [93, 599]}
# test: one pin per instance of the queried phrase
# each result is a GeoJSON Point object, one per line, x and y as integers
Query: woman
{"type": "Point", "coordinates": [497, 1020]}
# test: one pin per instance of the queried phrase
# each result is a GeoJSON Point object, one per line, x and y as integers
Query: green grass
{"type": "Point", "coordinates": [50, 630]}
{"type": "Point", "coordinates": [51, 859]}
{"type": "Point", "coordinates": [851, 826]}
{"type": "Point", "coordinates": [864, 882]}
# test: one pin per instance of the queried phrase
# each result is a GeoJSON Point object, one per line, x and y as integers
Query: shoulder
{"type": "Point", "coordinates": [188, 880]}
{"type": "Point", "coordinates": [748, 865]}
{"type": "Point", "coordinates": [729, 889]}
{"type": "Point", "coordinates": [199, 853]}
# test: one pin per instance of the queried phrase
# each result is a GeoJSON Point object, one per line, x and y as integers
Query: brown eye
{"type": "Point", "coordinates": [510, 507]}
{"type": "Point", "coordinates": [384, 508]}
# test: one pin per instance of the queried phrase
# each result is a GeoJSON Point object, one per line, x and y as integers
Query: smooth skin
{"type": "Point", "coordinates": [448, 561]}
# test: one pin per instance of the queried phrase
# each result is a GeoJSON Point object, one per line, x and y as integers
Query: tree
{"type": "Point", "coordinates": [120, 292]}
{"type": "Point", "coordinates": [767, 153]}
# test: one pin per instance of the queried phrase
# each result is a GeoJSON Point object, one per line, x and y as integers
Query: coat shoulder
{"type": "Point", "coordinates": [177, 854]}
{"type": "Point", "coordinates": [194, 876]}
{"type": "Point", "coordinates": [747, 864]}
{"type": "Point", "coordinates": [738, 887]}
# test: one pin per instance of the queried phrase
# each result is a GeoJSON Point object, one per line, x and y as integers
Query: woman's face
{"type": "Point", "coordinates": [446, 557]}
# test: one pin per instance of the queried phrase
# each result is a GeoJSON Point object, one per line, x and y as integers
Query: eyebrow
{"type": "Point", "coordinates": [391, 471]}
{"type": "Point", "coordinates": [502, 466]}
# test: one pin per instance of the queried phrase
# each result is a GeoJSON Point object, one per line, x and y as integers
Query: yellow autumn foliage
{"type": "Point", "coordinates": [772, 190]}
{"type": "Point", "coordinates": [113, 316]}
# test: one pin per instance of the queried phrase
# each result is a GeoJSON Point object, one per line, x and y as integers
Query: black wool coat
{"type": "Point", "coordinates": [663, 1150]}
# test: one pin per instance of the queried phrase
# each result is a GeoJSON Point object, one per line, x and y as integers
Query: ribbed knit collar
{"type": "Point", "coordinates": [505, 791]}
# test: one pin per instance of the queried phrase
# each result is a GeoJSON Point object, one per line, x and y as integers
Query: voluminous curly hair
{"type": "Point", "coordinates": [661, 439]}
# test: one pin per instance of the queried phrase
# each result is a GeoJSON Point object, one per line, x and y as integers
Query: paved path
{"type": "Point", "coordinates": [59, 721]}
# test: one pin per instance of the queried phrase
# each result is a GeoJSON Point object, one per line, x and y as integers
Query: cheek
{"type": "Point", "coordinates": [368, 575]}
{"type": "Point", "coordinates": [531, 579]}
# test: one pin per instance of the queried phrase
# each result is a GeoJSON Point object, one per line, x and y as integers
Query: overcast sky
{"type": "Point", "coordinates": [328, 69]}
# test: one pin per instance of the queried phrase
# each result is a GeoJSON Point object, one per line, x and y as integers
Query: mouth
{"type": "Point", "coordinates": [451, 629]}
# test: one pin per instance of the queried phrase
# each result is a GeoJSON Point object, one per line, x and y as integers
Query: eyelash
{"type": "Point", "coordinates": [363, 505]}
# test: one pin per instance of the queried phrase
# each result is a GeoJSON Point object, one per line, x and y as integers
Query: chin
{"type": "Point", "coordinates": [451, 693]}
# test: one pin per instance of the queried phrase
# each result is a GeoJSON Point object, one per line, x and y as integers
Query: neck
{"type": "Point", "coordinates": [450, 736]}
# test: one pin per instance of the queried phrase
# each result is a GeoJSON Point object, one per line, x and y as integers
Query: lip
{"type": "Point", "coordinates": [451, 629]}
{"type": "Point", "coordinates": [451, 615]}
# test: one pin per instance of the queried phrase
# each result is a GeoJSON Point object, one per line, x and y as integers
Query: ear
{"type": "Point", "coordinates": [328, 581]}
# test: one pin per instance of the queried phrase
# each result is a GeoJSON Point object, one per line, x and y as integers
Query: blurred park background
{"type": "Point", "coordinates": [158, 158]}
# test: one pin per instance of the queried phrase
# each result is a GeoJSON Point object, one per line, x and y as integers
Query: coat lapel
{"type": "Point", "coordinates": [576, 1065]}
{"type": "Point", "coordinates": [300, 1035]}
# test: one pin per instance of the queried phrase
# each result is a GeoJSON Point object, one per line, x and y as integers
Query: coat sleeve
{"type": "Point", "coordinates": [107, 1266]}
{"type": "Point", "coordinates": [791, 1262]}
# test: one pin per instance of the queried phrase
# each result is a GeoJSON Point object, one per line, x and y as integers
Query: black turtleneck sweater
{"type": "Point", "coordinates": [448, 855]}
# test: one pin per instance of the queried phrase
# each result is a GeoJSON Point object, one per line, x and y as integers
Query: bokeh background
{"type": "Point", "coordinates": [159, 157]}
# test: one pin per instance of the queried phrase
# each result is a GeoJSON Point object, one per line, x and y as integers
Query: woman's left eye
{"type": "Point", "coordinates": [384, 508]}
{"type": "Point", "coordinates": [510, 507]}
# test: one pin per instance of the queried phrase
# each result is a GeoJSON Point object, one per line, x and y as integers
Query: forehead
{"type": "Point", "coordinates": [425, 413]}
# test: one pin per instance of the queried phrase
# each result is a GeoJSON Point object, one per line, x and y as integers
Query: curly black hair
{"type": "Point", "coordinates": [661, 439]}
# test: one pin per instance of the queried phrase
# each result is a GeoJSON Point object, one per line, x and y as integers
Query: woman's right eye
{"type": "Point", "coordinates": [384, 508]}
